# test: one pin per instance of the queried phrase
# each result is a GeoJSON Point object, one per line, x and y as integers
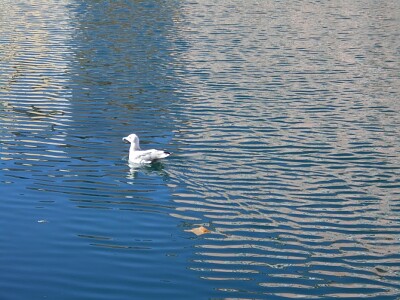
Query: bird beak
{"type": "Point", "coordinates": [125, 140]}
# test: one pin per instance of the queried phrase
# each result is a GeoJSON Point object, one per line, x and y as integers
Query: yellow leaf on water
{"type": "Point", "coordinates": [200, 230]}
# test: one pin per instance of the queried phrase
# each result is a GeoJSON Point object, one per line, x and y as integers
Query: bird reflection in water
{"type": "Point", "coordinates": [154, 169]}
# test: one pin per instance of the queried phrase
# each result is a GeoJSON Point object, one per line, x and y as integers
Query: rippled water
{"type": "Point", "coordinates": [283, 119]}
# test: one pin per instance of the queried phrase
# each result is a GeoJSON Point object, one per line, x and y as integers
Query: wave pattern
{"type": "Point", "coordinates": [291, 134]}
{"type": "Point", "coordinates": [75, 220]}
{"type": "Point", "coordinates": [34, 89]}
{"type": "Point", "coordinates": [283, 121]}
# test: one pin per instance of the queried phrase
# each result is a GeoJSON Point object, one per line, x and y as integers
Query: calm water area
{"type": "Point", "coordinates": [283, 119]}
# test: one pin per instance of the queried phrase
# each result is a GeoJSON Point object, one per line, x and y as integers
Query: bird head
{"type": "Point", "coordinates": [132, 139]}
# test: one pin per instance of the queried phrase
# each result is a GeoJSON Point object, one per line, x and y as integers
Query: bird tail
{"type": "Point", "coordinates": [166, 154]}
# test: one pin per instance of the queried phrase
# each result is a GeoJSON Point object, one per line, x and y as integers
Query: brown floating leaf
{"type": "Point", "coordinates": [200, 230]}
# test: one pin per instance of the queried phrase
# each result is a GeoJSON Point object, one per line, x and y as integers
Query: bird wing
{"type": "Point", "coordinates": [148, 156]}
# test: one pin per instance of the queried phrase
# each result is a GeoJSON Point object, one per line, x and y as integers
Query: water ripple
{"type": "Point", "coordinates": [283, 121]}
{"type": "Point", "coordinates": [291, 159]}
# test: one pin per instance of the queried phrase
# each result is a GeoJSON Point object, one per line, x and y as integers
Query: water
{"type": "Point", "coordinates": [283, 119]}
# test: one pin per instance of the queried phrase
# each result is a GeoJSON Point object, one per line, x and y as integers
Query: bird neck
{"type": "Point", "coordinates": [135, 147]}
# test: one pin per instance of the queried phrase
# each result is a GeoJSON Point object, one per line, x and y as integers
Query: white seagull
{"type": "Point", "coordinates": [139, 156]}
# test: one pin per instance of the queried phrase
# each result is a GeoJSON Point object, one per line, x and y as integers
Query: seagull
{"type": "Point", "coordinates": [139, 156]}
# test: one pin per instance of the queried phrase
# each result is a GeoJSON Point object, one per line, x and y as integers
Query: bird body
{"type": "Point", "coordinates": [139, 156]}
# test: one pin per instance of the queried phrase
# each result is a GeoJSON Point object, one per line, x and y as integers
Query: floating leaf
{"type": "Point", "coordinates": [200, 230]}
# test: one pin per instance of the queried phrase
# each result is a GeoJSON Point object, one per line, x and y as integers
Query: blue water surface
{"type": "Point", "coordinates": [283, 123]}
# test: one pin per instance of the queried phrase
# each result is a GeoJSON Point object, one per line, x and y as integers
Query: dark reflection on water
{"type": "Point", "coordinates": [283, 121]}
